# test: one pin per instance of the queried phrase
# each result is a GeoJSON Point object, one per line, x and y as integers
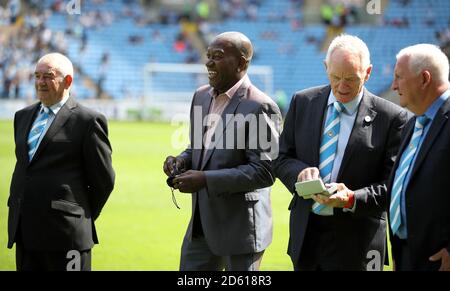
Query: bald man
{"type": "Point", "coordinates": [227, 167]}
{"type": "Point", "coordinates": [63, 174]}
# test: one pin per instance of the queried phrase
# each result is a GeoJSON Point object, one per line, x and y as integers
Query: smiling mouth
{"type": "Point", "coordinates": [212, 74]}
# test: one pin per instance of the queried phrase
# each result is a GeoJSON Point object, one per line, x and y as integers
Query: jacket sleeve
{"type": "Point", "coordinates": [186, 155]}
{"type": "Point", "coordinates": [287, 166]}
{"type": "Point", "coordinates": [98, 164]}
{"type": "Point", "coordinates": [372, 198]}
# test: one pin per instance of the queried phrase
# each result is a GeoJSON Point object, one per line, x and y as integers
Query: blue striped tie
{"type": "Point", "coordinates": [36, 131]}
{"type": "Point", "coordinates": [402, 170]}
{"type": "Point", "coordinates": [328, 148]}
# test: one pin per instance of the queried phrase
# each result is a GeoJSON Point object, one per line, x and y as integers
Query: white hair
{"type": "Point", "coordinates": [428, 57]}
{"type": "Point", "coordinates": [351, 44]}
{"type": "Point", "coordinates": [60, 62]}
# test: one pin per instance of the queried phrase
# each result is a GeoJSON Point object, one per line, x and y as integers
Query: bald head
{"type": "Point", "coordinates": [228, 57]}
{"type": "Point", "coordinates": [59, 62]}
{"type": "Point", "coordinates": [239, 41]}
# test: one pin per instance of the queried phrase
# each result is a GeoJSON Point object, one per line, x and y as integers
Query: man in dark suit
{"type": "Point", "coordinates": [227, 166]}
{"type": "Point", "coordinates": [340, 133]}
{"type": "Point", "coordinates": [419, 198]}
{"type": "Point", "coordinates": [63, 174]}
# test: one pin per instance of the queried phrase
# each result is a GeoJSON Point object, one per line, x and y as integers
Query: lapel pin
{"type": "Point", "coordinates": [367, 119]}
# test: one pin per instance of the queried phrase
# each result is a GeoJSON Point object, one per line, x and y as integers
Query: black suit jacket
{"type": "Point", "coordinates": [365, 168]}
{"type": "Point", "coordinates": [427, 195]}
{"type": "Point", "coordinates": [56, 197]}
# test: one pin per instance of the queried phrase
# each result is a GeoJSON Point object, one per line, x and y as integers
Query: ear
{"type": "Point", "coordinates": [68, 81]}
{"type": "Point", "coordinates": [243, 64]}
{"type": "Point", "coordinates": [325, 64]}
{"type": "Point", "coordinates": [368, 72]}
{"type": "Point", "coordinates": [426, 78]}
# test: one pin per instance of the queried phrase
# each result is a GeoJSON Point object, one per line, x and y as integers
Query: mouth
{"type": "Point", "coordinates": [212, 74]}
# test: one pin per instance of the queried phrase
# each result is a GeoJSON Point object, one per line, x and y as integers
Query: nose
{"type": "Point", "coordinates": [343, 85]}
{"type": "Point", "coordinates": [209, 63]}
{"type": "Point", "coordinates": [394, 86]}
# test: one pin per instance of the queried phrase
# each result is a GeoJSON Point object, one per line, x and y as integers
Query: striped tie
{"type": "Point", "coordinates": [328, 148]}
{"type": "Point", "coordinates": [402, 170]}
{"type": "Point", "coordinates": [36, 131]}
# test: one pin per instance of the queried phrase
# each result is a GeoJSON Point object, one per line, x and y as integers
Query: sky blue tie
{"type": "Point", "coordinates": [402, 170]}
{"type": "Point", "coordinates": [328, 147]}
{"type": "Point", "coordinates": [36, 131]}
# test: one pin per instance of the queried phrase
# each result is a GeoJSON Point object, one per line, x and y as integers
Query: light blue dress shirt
{"type": "Point", "coordinates": [54, 109]}
{"type": "Point", "coordinates": [430, 113]}
{"type": "Point", "coordinates": [347, 120]}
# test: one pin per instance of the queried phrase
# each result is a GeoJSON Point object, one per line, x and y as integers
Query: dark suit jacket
{"type": "Point", "coordinates": [427, 195]}
{"type": "Point", "coordinates": [235, 209]}
{"type": "Point", "coordinates": [365, 168]}
{"type": "Point", "coordinates": [56, 197]}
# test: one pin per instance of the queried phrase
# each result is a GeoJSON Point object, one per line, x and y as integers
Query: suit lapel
{"type": "Point", "coordinates": [439, 120]}
{"type": "Point", "coordinates": [60, 119]}
{"type": "Point", "coordinates": [407, 132]}
{"type": "Point", "coordinates": [25, 129]}
{"type": "Point", "coordinates": [317, 116]}
{"type": "Point", "coordinates": [196, 154]}
{"type": "Point", "coordinates": [230, 109]}
{"type": "Point", "coordinates": [358, 136]}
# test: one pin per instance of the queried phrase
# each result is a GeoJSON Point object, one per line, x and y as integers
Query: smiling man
{"type": "Point", "coordinates": [340, 133]}
{"type": "Point", "coordinates": [63, 174]}
{"type": "Point", "coordinates": [227, 171]}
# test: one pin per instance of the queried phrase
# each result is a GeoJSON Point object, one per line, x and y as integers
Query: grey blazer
{"type": "Point", "coordinates": [235, 207]}
{"type": "Point", "coordinates": [367, 162]}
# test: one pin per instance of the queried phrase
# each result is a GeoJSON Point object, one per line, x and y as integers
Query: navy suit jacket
{"type": "Point", "coordinates": [367, 162]}
{"type": "Point", "coordinates": [427, 195]}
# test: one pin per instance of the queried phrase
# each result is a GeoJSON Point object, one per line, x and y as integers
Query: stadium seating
{"type": "Point", "coordinates": [294, 54]}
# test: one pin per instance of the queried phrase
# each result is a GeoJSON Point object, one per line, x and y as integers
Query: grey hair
{"type": "Point", "coordinates": [60, 62]}
{"type": "Point", "coordinates": [351, 44]}
{"type": "Point", "coordinates": [429, 57]}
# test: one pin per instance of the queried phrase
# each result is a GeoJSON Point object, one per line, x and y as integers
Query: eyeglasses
{"type": "Point", "coordinates": [173, 198]}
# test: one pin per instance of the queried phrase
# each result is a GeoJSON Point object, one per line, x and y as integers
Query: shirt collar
{"type": "Point", "coordinates": [55, 107]}
{"type": "Point", "coordinates": [230, 93]}
{"type": "Point", "coordinates": [349, 107]}
{"type": "Point", "coordinates": [433, 109]}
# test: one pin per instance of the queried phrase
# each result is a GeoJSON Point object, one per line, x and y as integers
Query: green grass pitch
{"type": "Point", "coordinates": [140, 228]}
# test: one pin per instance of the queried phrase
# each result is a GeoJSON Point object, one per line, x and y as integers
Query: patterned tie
{"type": "Point", "coordinates": [328, 148]}
{"type": "Point", "coordinates": [36, 131]}
{"type": "Point", "coordinates": [402, 170]}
